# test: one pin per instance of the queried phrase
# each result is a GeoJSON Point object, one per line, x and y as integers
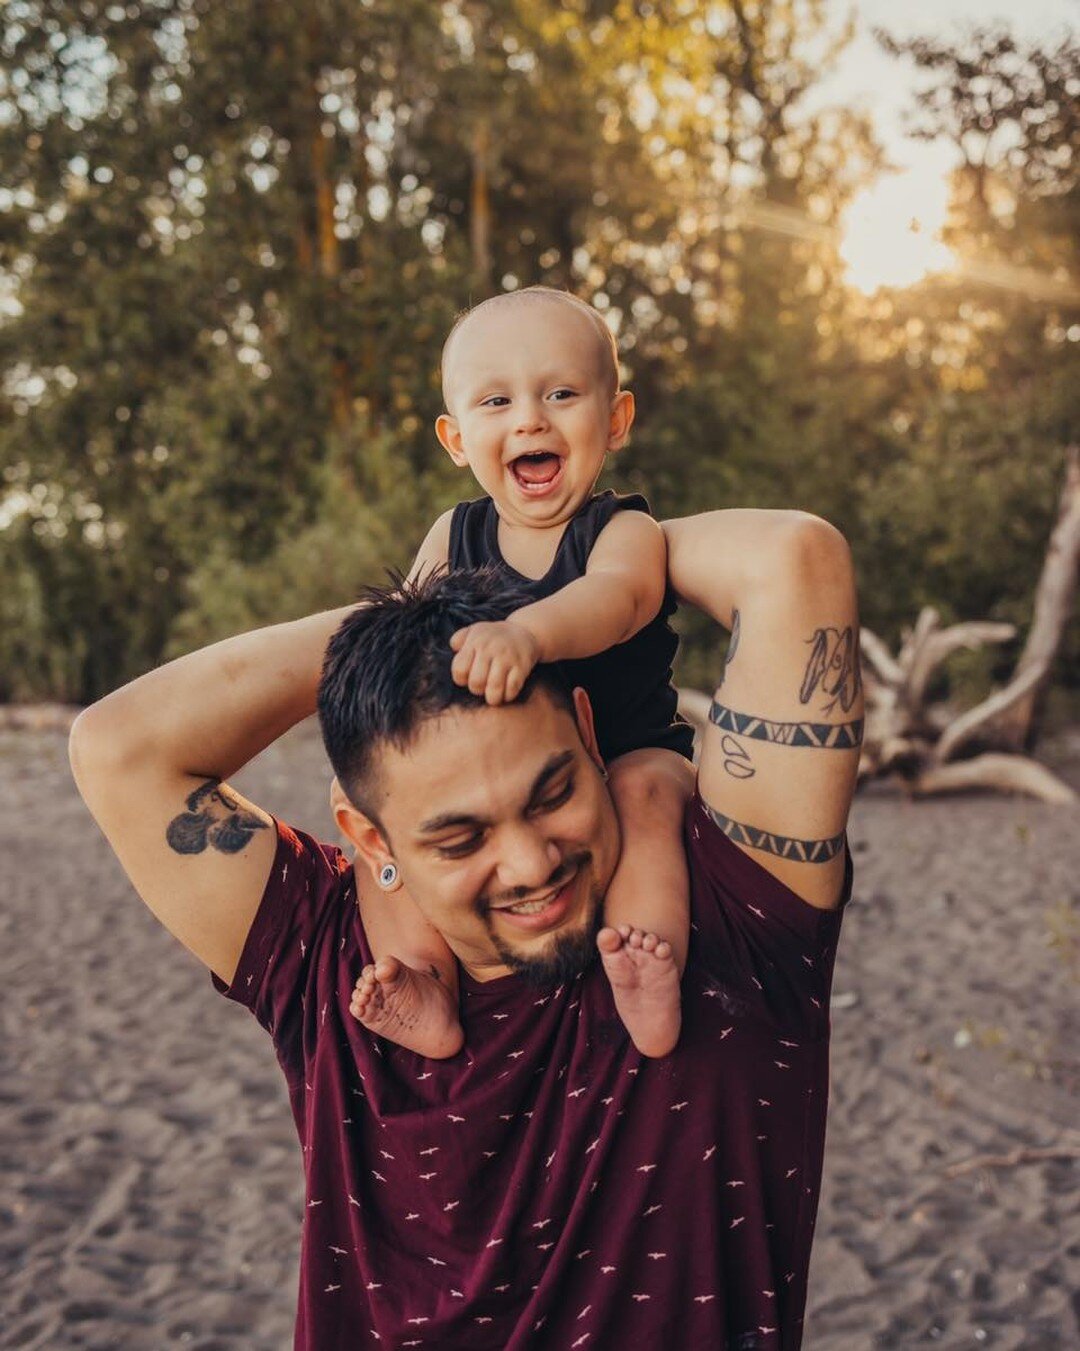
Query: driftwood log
{"type": "Point", "coordinates": [931, 747]}
{"type": "Point", "coordinates": [935, 749]}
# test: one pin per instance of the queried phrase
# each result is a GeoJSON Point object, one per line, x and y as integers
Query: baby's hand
{"type": "Point", "coordinates": [494, 659]}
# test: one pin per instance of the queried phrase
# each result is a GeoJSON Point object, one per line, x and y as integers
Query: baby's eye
{"type": "Point", "coordinates": [495, 401]}
{"type": "Point", "coordinates": [561, 395]}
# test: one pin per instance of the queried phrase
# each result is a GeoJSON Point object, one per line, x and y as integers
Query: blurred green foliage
{"type": "Point", "coordinates": [232, 238]}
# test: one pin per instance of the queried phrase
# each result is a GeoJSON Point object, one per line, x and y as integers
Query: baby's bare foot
{"type": "Point", "coordinates": [645, 980]}
{"type": "Point", "coordinates": [408, 1007]}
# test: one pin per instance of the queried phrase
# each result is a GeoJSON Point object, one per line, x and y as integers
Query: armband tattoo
{"type": "Point", "coordinates": [817, 735]}
{"type": "Point", "coordinates": [783, 846]}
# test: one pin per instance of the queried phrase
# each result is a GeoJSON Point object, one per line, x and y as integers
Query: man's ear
{"type": "Point", "coordinates": [622, 419]}
{"type": "Point", "coordinates": [371, 848]}
{"type": "Point", "coordinates": [583, 715]}
{"type": "Point", "coordinates": [449, 434]}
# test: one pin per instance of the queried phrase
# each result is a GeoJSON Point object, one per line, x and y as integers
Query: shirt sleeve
{"type": "Point", "coordinates": [770, 950]}
{"type": "Point", "coordinates": [307, 885]}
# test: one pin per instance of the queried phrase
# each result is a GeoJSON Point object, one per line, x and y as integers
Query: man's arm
{"type": "Point", "coordinates": [150, 761]}
{"type": "Point", "coordinates": [780, 758]}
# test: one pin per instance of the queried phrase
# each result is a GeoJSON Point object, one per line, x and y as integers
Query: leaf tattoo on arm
{"type": "Point", "coordinates": [213, 817]}
{"type": "Point", "coordinates": [833, 668]}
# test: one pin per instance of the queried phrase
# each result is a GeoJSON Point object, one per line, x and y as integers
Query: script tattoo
{"type": "Point", "coordinates": [783, 846]}
{"type": "Point", "coordinates": [212, 817]}
{"type": "Point", "coordinates": [833, 668]}
{"type": "Point", "coordinates": [826, 736]}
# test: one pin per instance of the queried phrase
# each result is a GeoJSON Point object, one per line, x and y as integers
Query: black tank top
{"type": "Point", "coordinates": [629, 685]}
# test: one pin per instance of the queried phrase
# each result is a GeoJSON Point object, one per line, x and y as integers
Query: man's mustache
{"type": "Point", "coordinates": [562, 874]}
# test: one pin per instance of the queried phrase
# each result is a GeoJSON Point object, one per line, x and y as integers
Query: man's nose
{"type": "Point", "coordinates": [527, 859]}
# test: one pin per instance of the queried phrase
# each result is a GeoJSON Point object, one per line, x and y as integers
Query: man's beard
{"type": "Point", "coordinates": [567, 957]}
{"type": "Point", "coordinates": [569, 953]}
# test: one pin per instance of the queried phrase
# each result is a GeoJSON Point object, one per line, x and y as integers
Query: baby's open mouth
{"type": "Point", "coordinates": [536, 470]}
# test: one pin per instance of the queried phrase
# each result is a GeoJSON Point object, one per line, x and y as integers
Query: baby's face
{"type": "Point", "coordinates": [530, 411]}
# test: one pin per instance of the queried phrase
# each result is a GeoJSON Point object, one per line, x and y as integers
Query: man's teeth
{"type": "Point", "coordinates": [529, 907]}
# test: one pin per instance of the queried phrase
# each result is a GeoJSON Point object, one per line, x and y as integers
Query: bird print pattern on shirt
{"type": "Point", "coordinates": [602, 1103]}
{"type": "Point", "coordinates": [584, 1099]}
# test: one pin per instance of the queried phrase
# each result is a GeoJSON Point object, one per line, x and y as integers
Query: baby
{"type": "Point", "coordinates": [531, 388]}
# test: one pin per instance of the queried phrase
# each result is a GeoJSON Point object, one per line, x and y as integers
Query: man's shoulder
{"type": "Point", "coordinates": [310, 886]}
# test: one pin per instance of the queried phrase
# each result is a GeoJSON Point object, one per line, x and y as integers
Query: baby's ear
{"type": "Point", "coordinates": [449, 434]}
{"type": "Point", "coordinates": [622, 419]}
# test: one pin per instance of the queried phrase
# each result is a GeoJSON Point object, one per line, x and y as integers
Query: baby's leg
{"type": "Point", "coordinates": [647, 908]}
{"type": "Point", "coordinates": [410, 997]}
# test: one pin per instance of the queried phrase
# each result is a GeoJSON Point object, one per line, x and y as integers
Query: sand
{"type": "Point", "coordinates": [151, 1177]}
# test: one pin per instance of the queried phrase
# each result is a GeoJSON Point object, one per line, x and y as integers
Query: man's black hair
{"type": "Point", "coordinates": [387, 668]}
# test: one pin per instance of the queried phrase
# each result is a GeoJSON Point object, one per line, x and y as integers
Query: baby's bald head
{"type": "Point", "coordinates": [535, 299]}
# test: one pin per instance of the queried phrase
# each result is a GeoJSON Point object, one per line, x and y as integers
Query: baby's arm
{"type": "Point", "coordinates": [621, 591]}
{"type": "Point", "coordinates": [435, 550]}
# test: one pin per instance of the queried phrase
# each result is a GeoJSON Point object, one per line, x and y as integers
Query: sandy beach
{"type": "Point", "coordinates": [152, 1182]}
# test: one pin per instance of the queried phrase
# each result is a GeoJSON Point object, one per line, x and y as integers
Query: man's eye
{"type": "Point", "coordinates": [556, 800]}
{"type": "Point", "coordinates": [459, 848]}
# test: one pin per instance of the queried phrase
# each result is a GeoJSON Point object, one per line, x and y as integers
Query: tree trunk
{"type": "Point", "coordinates": [329, 255]}
{"type": "Point", "coordinates": [329, 266]}
{"type": "Point", "coordinates": [1018, 728]}
{"type": "Point", "coordinates": [318, 252]}
{"type": "Point", "coordinates": [480, 206]}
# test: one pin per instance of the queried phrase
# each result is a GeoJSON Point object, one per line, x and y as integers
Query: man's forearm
{"type": "Point", "coordinates": [212, 711]}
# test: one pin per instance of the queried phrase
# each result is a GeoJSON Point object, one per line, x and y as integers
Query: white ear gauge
{"type": "Point", "coordinates": [388, 875]}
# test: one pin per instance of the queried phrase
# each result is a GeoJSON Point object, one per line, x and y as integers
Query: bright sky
{"type": "Point", "coordinates": [869, 78]}
{"type": "Point", "coordinates": [890, 232]}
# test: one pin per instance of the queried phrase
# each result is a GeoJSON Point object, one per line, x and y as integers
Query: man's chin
{"type": "Point", "coordinates": [564, 957]}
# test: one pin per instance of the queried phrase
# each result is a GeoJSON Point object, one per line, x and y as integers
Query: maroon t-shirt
{"type": "Point", "coordinates": [548, 1187]}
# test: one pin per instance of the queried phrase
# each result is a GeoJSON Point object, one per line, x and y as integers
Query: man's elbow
{"type": "Point", "coordinates": [815, 553]}
{"type": "Point", "coordinates": [96, 749]}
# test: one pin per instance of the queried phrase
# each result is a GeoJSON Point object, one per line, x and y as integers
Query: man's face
{"type": "Point", "coordinates": [531, 412]}
{"type": "Point", "coordinates": [505, 835]}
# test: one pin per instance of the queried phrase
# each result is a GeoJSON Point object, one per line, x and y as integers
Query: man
{"type": "Point", "coordinates": [546, 1187]}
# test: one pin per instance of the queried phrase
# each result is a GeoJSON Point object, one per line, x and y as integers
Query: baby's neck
{"type": "Point", "coordinates": [528, 549]}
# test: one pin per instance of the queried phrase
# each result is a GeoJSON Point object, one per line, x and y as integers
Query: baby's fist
{"type": "Point", "coordinates": [494, 659]}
